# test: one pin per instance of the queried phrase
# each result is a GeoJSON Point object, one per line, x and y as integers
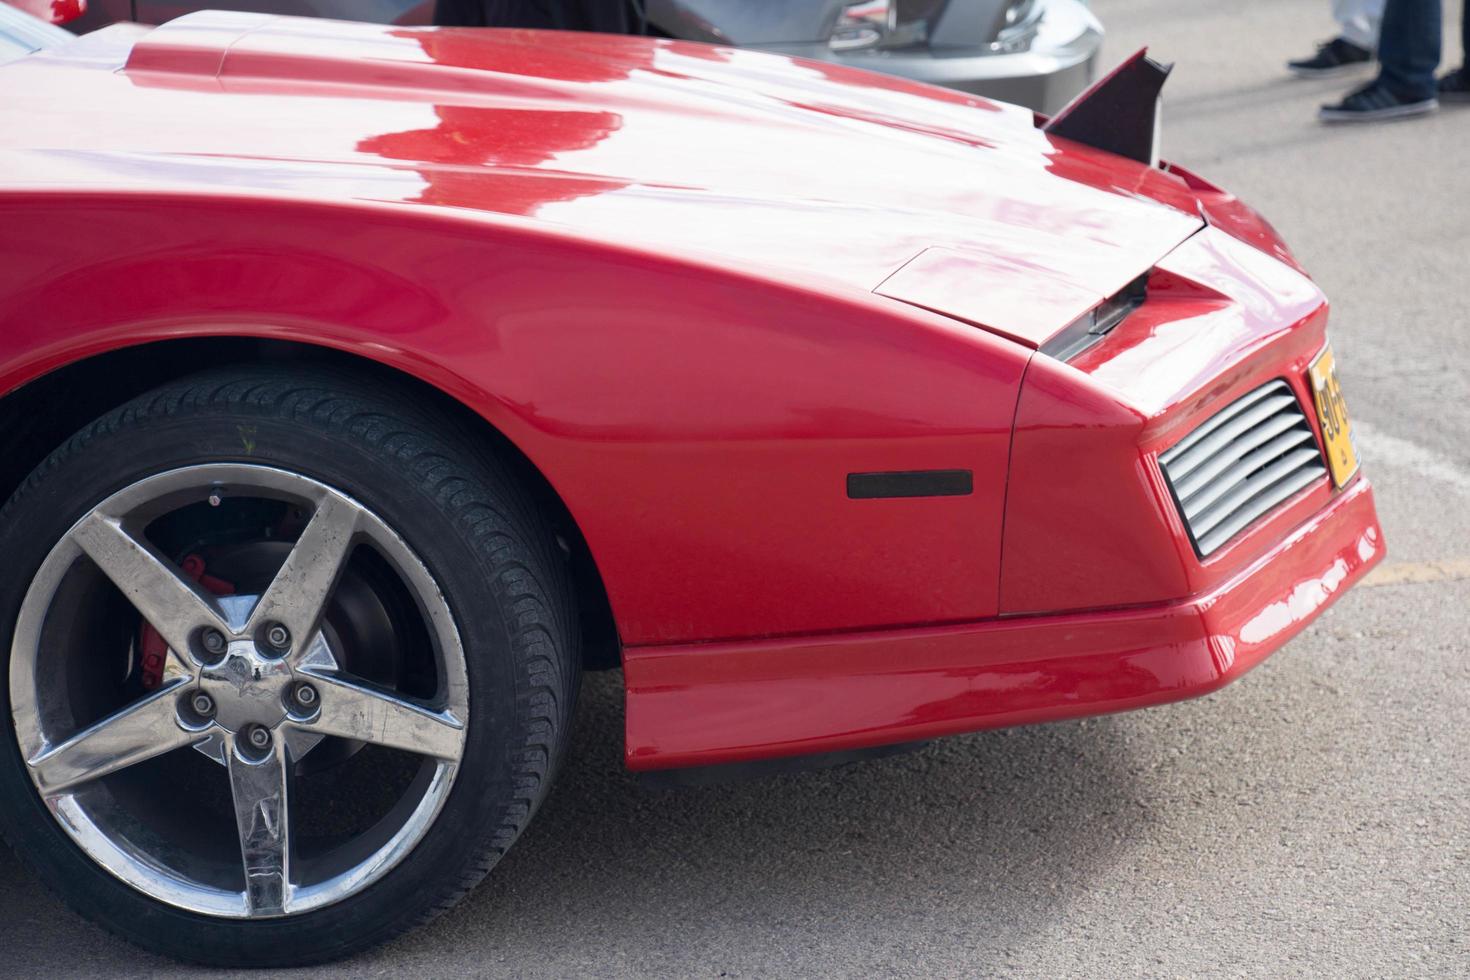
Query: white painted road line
{"type": "Point", "coordinates": [1389, 450]}
{"type": "Point", "coordinates": [1378, 446]}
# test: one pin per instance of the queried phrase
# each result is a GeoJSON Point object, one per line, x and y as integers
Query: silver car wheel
{"type": "Point", "coordinates": [256, 683]}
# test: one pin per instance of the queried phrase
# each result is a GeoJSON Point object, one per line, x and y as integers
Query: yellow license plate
{"type": "Point", "coordinates": [1337, 431]}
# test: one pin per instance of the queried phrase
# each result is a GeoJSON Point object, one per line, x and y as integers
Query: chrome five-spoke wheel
{"type": "Point", "coordinates": [253, 682]}
{"type": "Point", "coordinates": [290, 666]}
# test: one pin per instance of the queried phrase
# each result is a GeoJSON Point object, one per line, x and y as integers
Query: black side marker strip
{"type": "Point", "coordinates": [911, 483]}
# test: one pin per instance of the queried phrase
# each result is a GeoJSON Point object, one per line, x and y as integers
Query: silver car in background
{"type": "Point", "coordinates": [1037, 53]}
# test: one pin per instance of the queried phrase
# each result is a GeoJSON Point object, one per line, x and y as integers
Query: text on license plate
{"type": "Point", "coordinates": [1337, 430]}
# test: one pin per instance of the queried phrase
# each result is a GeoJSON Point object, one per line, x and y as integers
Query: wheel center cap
{"type": "Point", "coordinates": [247, 688]}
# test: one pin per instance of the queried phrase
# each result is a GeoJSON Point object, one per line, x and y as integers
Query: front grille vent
{"type": "Point", "coordinates": [1242, 463]}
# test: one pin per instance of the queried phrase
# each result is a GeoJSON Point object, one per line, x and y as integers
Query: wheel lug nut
{"type": "Point", "coordinates": [203, 705]}
{"type": "Point", "coordinates": [278, 636]}
{"type": "Point", "coordinates": [214, 641]}
{"type": "Point", "coordinates": [305, 695]}
{"type": "Point", "coordinates": [259, 737]}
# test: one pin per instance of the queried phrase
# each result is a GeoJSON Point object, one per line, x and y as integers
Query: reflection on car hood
{"type": "Point", "coordinates": [799, 168]}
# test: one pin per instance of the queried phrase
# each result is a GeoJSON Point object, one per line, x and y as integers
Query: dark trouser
{"type": "Point", "coordinates": [608, 16]}
{"type": "Point", "coordinates": [1409, 46]}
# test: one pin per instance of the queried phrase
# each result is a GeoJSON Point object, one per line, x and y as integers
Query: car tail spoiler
{"type": "Point", "coordinates": [1119, 113]}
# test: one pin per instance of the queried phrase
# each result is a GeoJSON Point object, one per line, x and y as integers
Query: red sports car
{"type": "Point", "coordinates": [364, 385]}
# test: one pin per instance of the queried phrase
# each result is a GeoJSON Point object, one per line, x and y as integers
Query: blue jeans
{"type": "Point", "coordinates": [1409, 46]}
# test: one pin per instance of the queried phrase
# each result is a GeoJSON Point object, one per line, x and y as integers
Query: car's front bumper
{"type": "Point", "coordinates": [1057, 64]}
{"type": "Point", "coordinates": [719, 703]}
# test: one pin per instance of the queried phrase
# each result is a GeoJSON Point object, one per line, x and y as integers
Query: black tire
{"type": "Point", "coordinates": [457, 504]}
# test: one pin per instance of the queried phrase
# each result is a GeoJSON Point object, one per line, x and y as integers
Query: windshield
{"type": "Point", "coordinates": [21, 34]}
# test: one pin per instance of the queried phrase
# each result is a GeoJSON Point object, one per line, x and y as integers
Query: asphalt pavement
{"type": "Point", "coordinates": [1310, 820]}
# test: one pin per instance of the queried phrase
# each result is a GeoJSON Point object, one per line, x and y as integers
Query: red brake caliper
{"type": "Point", "coordinates": [155, 650]}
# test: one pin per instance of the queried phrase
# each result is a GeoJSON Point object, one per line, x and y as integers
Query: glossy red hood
{"type": "Point", "coordinates": [789, 167]}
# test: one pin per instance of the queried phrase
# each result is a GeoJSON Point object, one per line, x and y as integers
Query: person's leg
{"type": "Point", "coordinates": [1465, 38]}
{"type": "Point", "coordinates": [1351, 49]}
{"type": "Point", "coordinates": [459, 13]}
{"type": "Point", "coordinates": [1358, 21]}
{"type": "Point", "coordinates": [604, 16]}
{"type": "Point", "coordinates": [1408, 53]}
{"type": "Point", "coordinates": [607, 16]}
{"type": "Point", "coordinates": [1455, 86]}
{"type": "Point", "coordinates": [1409, 47]}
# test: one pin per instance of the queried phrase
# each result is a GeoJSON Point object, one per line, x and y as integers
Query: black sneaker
{"type": "Point", "coordinates": [1373, 102]}
{"type": "Point", "coordinates": [1455, 87]}
{"type": "Point", "coordinates": [1332, 58]}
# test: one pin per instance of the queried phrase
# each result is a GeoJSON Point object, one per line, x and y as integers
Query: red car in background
{"type": "Point", "coordinates": [363, 385]}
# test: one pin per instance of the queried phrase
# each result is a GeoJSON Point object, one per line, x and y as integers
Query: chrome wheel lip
{"type": "Point", "coordinates": [144, 872]}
